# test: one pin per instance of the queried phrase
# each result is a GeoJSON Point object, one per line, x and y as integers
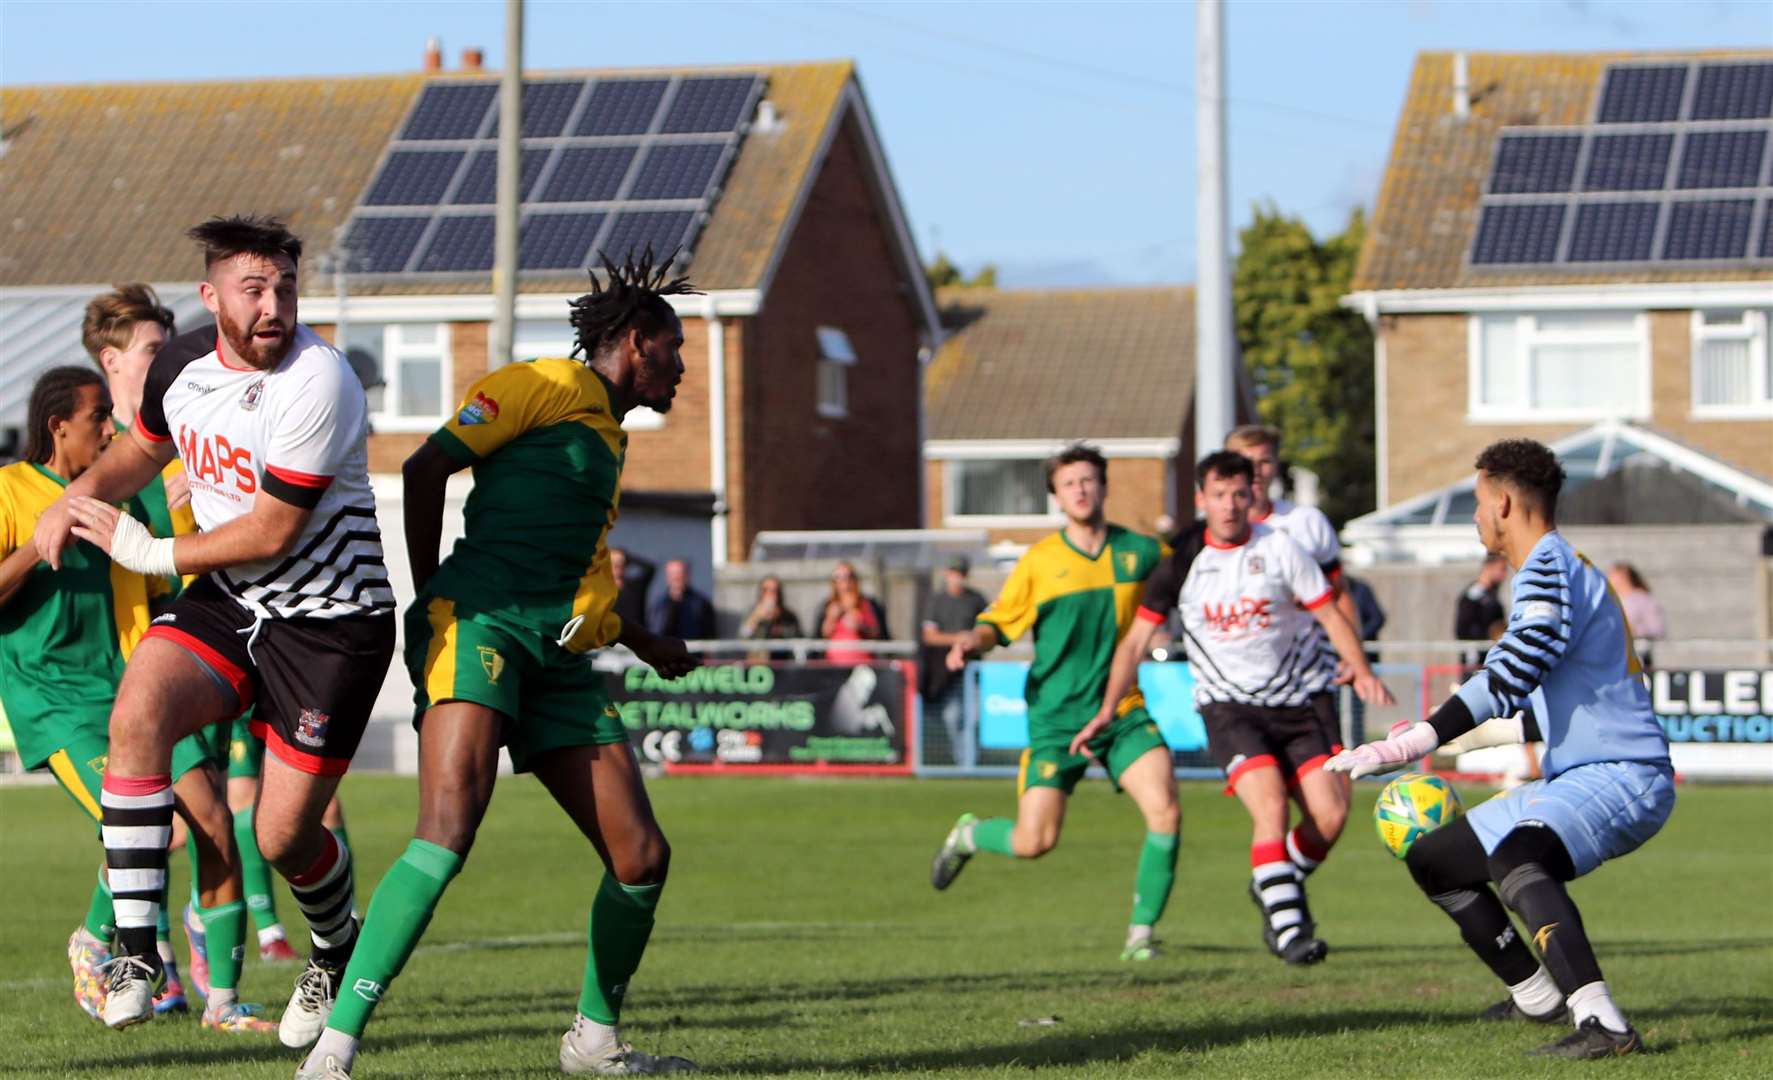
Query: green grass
{"type": "Point", "coordinates": [799, 934]}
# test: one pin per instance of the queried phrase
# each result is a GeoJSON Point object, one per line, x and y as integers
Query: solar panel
{"type": "Point", "coordinates": [588, 174]}
{"type": "Point", "coordinates": [1733, 92]}
{"type": "Point", "coordinates": [1708, 229]}
{"type": "Point", "coordinates": [479, 187]}
{"type": "Point", "coordinates": [546, 106]}
{"type": "Point", "coordinates": [1722, 159]}
{"type": "Point", "coordinates": [1534, 163]}
{"type": "Point", "coordinates": [677, 171]}
{"type": "Point", "coordinates": [460, 243]}
{"type": "Point", "coordinates": [709, 105]}
{"type": "Point", "coordinates": [1518, 233]}
{"type": "Point", "coordinates": [557, 241]}
{"type": "Point", "coordinates": [622, 107]}
{"type": "Point", "coordinates": [449, 110]}
{"type": "Point", "coordinates": [1641, 94]}
{"type": "Point", "coordinates": [1628, 162]}
{"type": "Point", "coordinates": [413, 178]}
{"type": "Point", "coordinates": [381, 245]}
{"type": "Point", "coordinates": [1766, 249]}
{"type": "Point", "coordinates": [664, 231]}
{"type": "Point", "coordinates": [1614, 231]}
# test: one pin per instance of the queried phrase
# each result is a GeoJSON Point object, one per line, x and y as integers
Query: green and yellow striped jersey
{"type": "Point", "coordinates": [1079, 608]}
{"type": "Point", "coordinates": [546, 446]}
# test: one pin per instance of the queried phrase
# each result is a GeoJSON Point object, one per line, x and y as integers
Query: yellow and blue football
{"type": "Point", "coordinates": [1412, 806]}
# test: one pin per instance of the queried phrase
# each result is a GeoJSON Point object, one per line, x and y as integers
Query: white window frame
{"type": "Point", "coordinates": [639, 418]}
{"type": "Point", "coordinates": [1528, 335]}
{"type": "Point", "coordinates": [951, 514]}
{"type": "Point", "coordinates": [1754, 330]}
{"type": "Point", "coordinates": [836, 357]}
{"type": "Point", "coordinates": [394, 350]}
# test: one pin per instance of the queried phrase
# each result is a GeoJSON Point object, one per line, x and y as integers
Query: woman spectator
{"type": "Point", "coordinates": [1643, 612]}
{"type": "Point", "coordinates": [850, 616]}
{"type": "Point", "coordinates": [770, 619]}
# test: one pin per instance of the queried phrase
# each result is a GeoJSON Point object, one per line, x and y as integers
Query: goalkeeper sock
{"type": "Point", "coordinates": [621, 922]}
{"type": "Point", "coordinates": [993, 835]}
{"type": "Point", "coordinates": [99, 921]}
{"type": "Point", "coordinates": [398, 914]}
{"type": "Point", "coordinates": [1538, 995]}
{"type": "Point", "coordinates": [1594, 1000]}
{"type": "Point", "coordinates": [1157, 873]}
{"type": "Point", "coordinates": [255, 873]}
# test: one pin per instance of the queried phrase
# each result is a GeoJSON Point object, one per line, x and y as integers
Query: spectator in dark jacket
{"type": "Point", "coordinates": [1480, 616]}
{"type": "Point", "coordinates": [681, 611]}
{"type": "Point", "coordinates": [634, 577]}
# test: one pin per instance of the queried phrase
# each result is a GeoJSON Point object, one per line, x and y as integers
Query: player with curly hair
{"type": "Point", "coordinates": [496, 642]}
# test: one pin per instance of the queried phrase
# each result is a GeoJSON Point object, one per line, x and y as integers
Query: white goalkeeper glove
{"type": "Point", "coordinates": [1496, 731]}
{"type": "Point", "coordinates": [1407, 742]}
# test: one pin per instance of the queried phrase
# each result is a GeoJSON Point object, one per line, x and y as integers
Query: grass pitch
{"type": "Point", "coordinates": [799, 934]}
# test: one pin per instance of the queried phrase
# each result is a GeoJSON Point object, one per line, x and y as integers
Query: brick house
{"type": "Point", "coordinates": [804, 356]}
{"type": "Point", "coordinates": [1569, 240]}
{"type": "Point", "coordinates": [1023, 371]}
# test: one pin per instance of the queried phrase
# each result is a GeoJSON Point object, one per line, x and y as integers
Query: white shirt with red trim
{"type": "Point", "coordinates": [297, 432]}
{"type": "Point", "coordinates": [1312, 531]}
{"type": "Point", "coordinates": [1246, 615]}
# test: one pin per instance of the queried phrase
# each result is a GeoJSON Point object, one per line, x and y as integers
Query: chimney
{"type": "Point", "coordinates": [1461, 86]}
{"type": "Point", "coordinates": [433, 54]}
{"type": "Point", "coordinates": [473, 57]}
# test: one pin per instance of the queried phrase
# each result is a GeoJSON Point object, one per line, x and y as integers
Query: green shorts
{"type": "Point", "coordinates": [246, 751]}
{"type": "Point", "coordinates": [79, 766]}
{"type": "Point", "coordinates": [1051, 764]}
{"type": "Point", "coordinates": [551, 698]}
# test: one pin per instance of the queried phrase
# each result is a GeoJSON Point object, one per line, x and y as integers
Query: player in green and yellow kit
{"type": "Point", "coordinates": [1077, 590]}
{"type": "Point", "coordinates": [496, 642]}
{"type": "Point", "coordinates": [64, 637]}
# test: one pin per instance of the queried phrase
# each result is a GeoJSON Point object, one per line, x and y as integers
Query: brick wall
{"type": "Point", "coordinates": [1137, 495]}
{"type": "Point", "coordinates": [797, 469]}
{"type": "Point", "coordinates": [1430, 443]}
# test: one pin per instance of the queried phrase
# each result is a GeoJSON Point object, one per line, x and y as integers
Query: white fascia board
{"type": "Point", "coordinates": [479, 307]}
{"type": "Point", "coordinates": [1676, 295]}
{"type": "Point", "coordinates": [998, 449]}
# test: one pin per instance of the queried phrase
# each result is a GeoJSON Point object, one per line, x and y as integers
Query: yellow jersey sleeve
{"type": "Point", "coordinates": [505, 403]}
{"type": "Point", "coordinates": [1015, 609]}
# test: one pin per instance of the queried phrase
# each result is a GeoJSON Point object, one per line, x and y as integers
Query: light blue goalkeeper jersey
{"type": "Point", "coordinates": [1568, 654]}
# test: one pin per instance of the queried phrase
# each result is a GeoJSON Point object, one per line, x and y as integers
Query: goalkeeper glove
{"type": "Point", "coordinates": [1496, 731]}
{"type": "Point", "coordinates": [1406, 743]}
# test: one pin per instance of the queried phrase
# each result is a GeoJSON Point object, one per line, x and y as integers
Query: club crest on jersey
{"type": "Point", "coordinates": [311, 727]}
{"type": "Point", "coordinates": [1129, 561]}
{"type": "Point", "coordinates": [250, 400]}
{"type": "Point", "coordinates": [1255, 564]}
{"type": "Point", "coordinates": [492, 663]}
{"type": "Point", "coordinates": [482, 410]}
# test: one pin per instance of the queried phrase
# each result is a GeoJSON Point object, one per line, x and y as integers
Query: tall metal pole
{"type": "Point", "coordinates": [505, 214]}
{"type": "Point", "coordinates": [1214, 351]}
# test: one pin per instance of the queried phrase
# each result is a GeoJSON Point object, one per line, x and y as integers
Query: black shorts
{"type": "Point", "coordinates": [1329, 718]}
{"type": "Point", "coordinates": [312, 682]}
{"type": "Point", "coordinates": [1245, 737]}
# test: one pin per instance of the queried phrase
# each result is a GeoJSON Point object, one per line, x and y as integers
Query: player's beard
{"type": "Point", "coordinates": [261, 355]}
{"type": "Point", "coordinates": [658, 387]}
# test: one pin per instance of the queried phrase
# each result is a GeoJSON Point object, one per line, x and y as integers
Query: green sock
{"type": "Point", "coordinates": [163, 928]}
{"type": "Point", "coordinates": [224, 932]}
{"type": "Point", "coordinates": [196, 897]}
{"type": "Point", "coordinates": [993, 835]}
{"type": "Point", "coordinates": [621, 921]}
{"type": "Point", "coordinates": [100, 923]}
{"type": "Point", "coordinates": [255, 873]}
{"type": "Point", "coordinates": [398, 914]}
{"type": "Point", "coordinates": [1157, 873]}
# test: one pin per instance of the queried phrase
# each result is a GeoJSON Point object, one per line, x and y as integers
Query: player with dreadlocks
{"type": "Point", "coordinates": [496, 642]}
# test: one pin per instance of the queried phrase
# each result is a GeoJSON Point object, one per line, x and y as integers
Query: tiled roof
{"type": "Point", "coordinates": [1062, 364]}
{"type": "Point", "coordinates": [1428, 201]}
{"type": "Point", "coordinates": [98, 182]}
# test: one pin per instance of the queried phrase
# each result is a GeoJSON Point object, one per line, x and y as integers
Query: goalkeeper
{"type": "Point", "coordinates": [1609, 784]}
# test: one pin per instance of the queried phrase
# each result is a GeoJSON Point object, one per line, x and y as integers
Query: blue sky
{"type": "Point", "coordinates": [1055, 140]}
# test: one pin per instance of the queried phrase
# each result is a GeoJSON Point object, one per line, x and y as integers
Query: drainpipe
{"type": "Point", "coordinates": [717, 428]}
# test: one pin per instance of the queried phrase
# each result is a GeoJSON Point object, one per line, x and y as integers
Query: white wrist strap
{"type": "Point", "coordinates": [133, 547]}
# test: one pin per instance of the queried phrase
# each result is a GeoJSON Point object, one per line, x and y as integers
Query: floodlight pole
{"type": "Point", "coordinates": [1214, 350]}
{"type": "Point", "coordinates": [505, 217]}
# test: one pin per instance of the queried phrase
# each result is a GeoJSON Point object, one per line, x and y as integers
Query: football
{"type": "Point", "coordinates": [1411, 806]}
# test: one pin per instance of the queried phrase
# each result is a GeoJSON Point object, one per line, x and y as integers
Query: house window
{"type": "Point", "coordinates": [536, 338]}
{"type": "Point", "coordinates": [1560, 365]}
{"type": "Point", "coordinates": [405, 368]}
{"type": "Point", "coordinates": [1006, 489]}
{"type": "Point", "coordinates": [1732, 365]}
{"type": "Point", "coordinates": [836, 357]}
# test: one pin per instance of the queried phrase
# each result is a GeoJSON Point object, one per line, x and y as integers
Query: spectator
{"type": "Point", "coordinates": [948, 618]}
{"type": "Point", "coordinates": [634, 578]}
{"type": "Point", "coordinates": [1366, 605]}
{"type": "Point", "coordinates": [850, 616]}
{"type": "Point", "coordinates": [1480, 616]}
{"type": "Point", "coordinates": [681, 611]}
{"type": "Point", "coordinates": [1643, 612]}
{"type": "Point", "coordinates": [770, 619]}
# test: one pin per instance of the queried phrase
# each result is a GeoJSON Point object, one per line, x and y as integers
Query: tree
{"type": "Point", "coordinates": [1311, 358]}
{"type": "Point", "coordinates": [942, 273]}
